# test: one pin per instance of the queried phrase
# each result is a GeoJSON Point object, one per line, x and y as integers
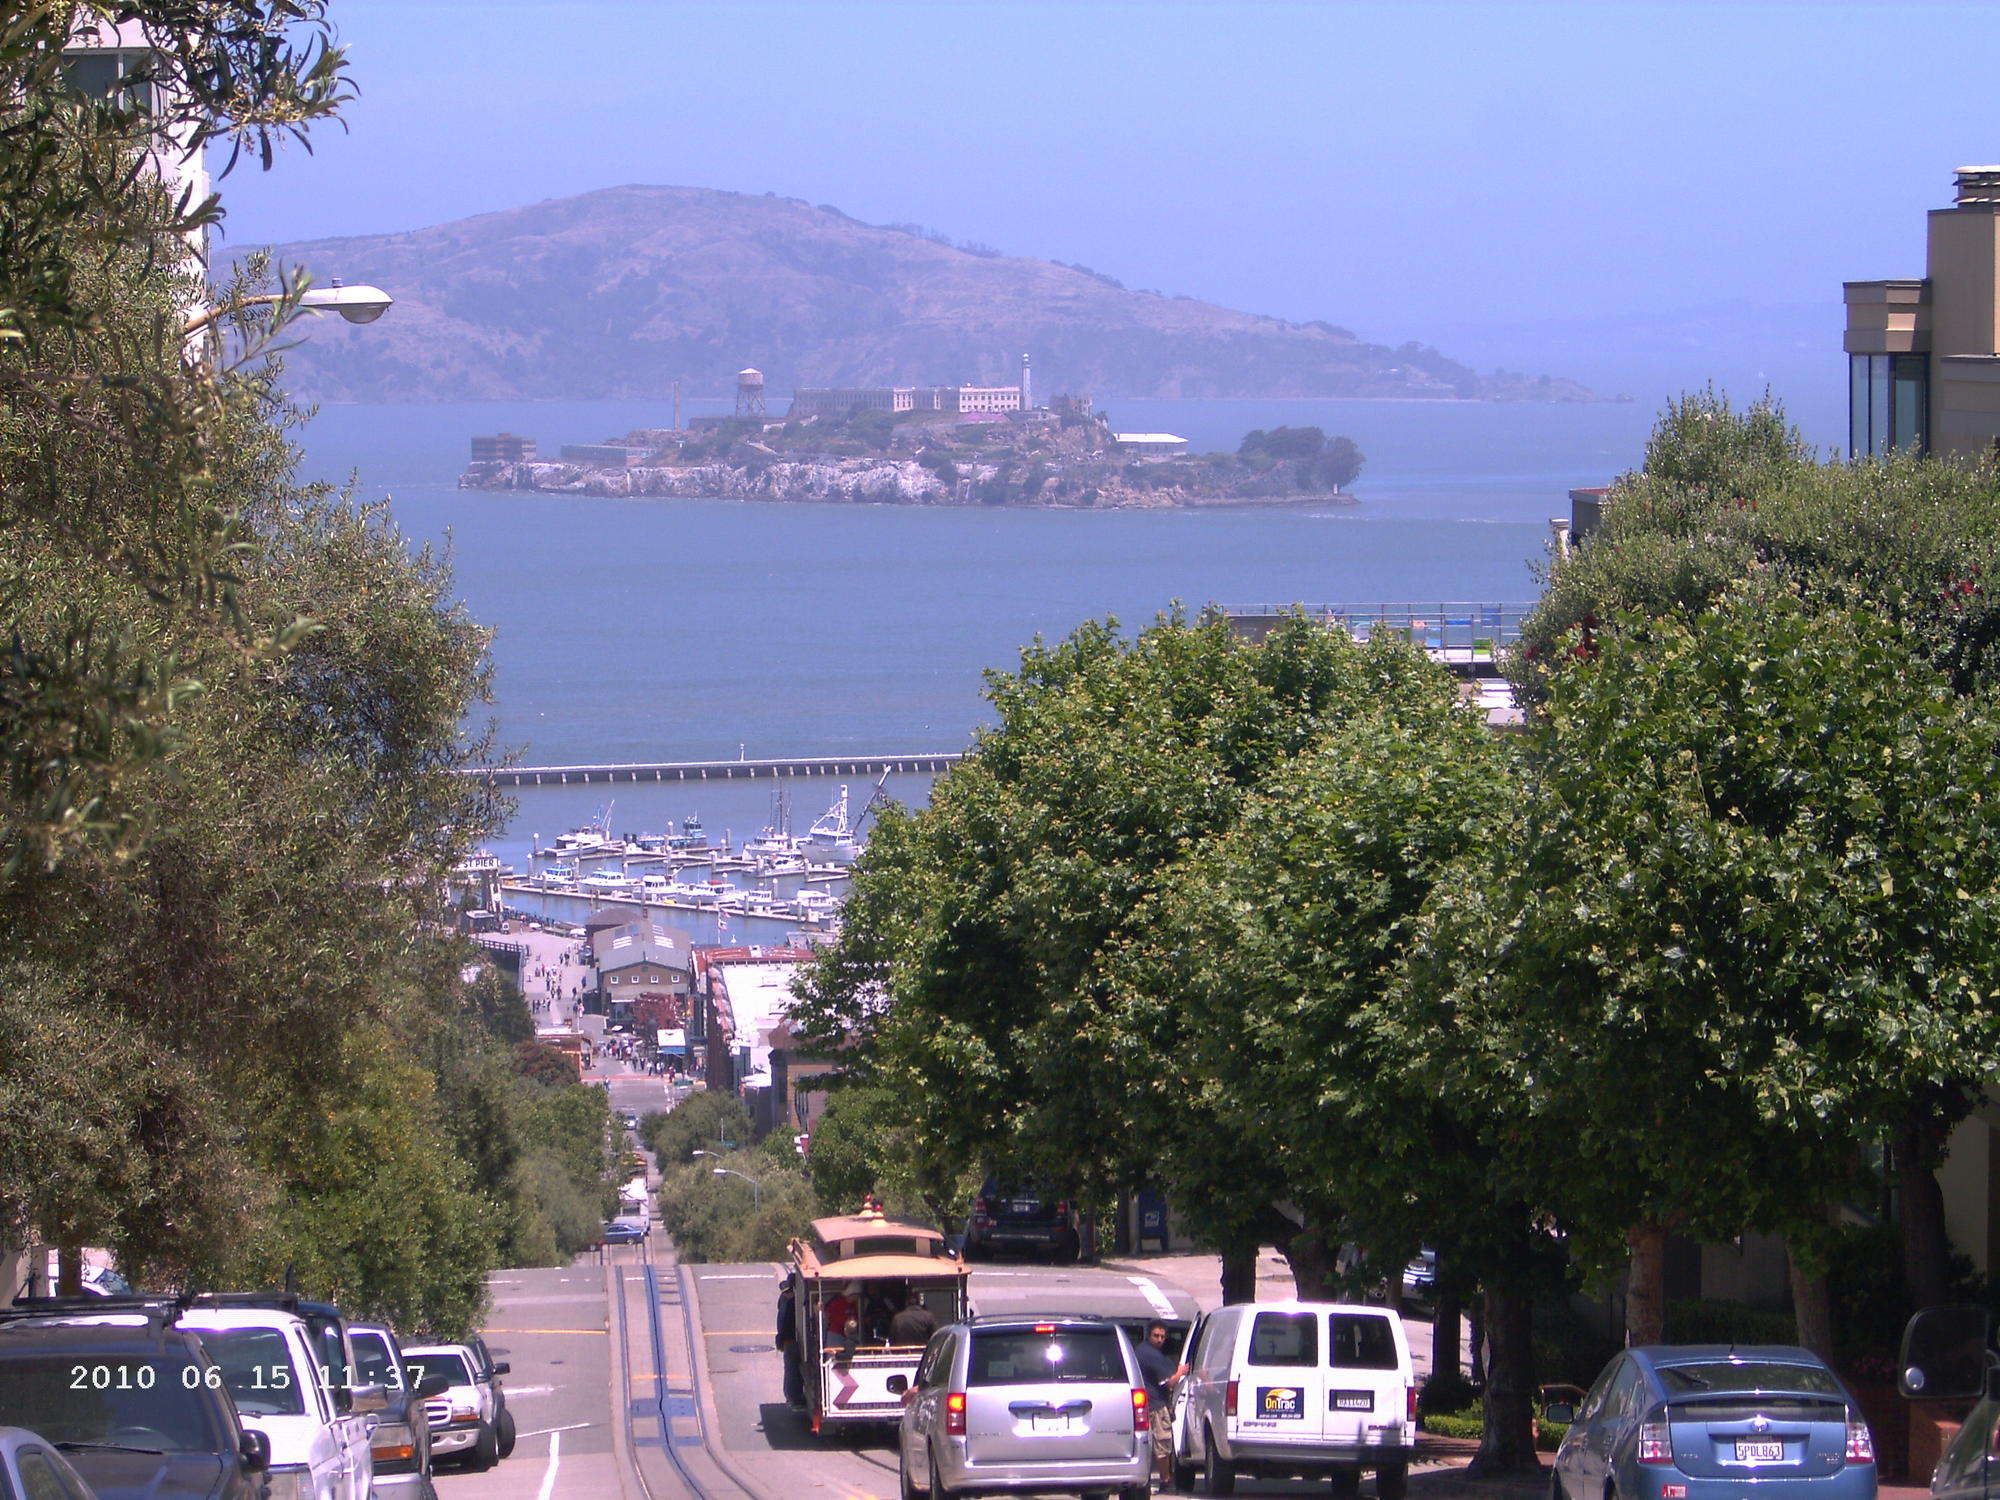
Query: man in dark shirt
{"type": "Point", "coordinates": [1158, 1370]}
{"type": "Point", "coordinates": [788, 1345]}
{"type": "Point", "coordinates": [913, 1323]}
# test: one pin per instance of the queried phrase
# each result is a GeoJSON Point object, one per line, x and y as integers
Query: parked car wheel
{"type": "Point", "coordinates": [504, 1433]}
{"type": "Point", "coordinates": [485, 1451]}
{"type": "Point", "coordinates": [1392, 1482]}
{"type": "Point", "coordinates": [907, 1485]}
{"type": "Point", "coordinates": [1218, 1475]}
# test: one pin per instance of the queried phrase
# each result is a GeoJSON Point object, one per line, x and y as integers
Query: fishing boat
{"type": "Point", "coordinates": [831, 840]}
{"type": "Point", "coordinates": [593, 837]}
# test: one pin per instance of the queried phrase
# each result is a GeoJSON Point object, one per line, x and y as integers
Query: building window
{"type": "Point", "coordinates": [1888, 404]}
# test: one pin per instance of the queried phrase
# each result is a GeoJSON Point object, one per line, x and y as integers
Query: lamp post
{"type": "Point", "coordinates": [357, 304]}
{"type": "Point", "coordinates": [756, 1192]}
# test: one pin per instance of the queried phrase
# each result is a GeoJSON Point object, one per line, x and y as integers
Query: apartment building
{"type": "Point", "coordinates": [1924, 353]}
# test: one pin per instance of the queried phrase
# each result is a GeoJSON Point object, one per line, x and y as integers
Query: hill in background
{"type": "Point", "coordinates": [616, 294]}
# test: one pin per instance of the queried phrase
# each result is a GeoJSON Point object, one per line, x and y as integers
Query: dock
{"type": "Point", "coordinates": [851, 766]}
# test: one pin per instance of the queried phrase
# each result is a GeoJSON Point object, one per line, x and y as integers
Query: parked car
{"type": "Point", "coordinates": [33, 1470]}
{"type": "Point", "coordinates": [129, 1398]}
{"type": "Point", "coordinates": [1710, 1421]}
{"type": "Point", "coordinates": [466, 1415]}
{"type": "Point", "coordinates": [1008, 1403]}
{"type": "Point", "coordinates": [488, 1373]}
{"type": "Point", "coordinates": [1020, 1218]}
{"type": "Point", "coordinates": [1275, 1389]}
{"type": "Point", "coordinates": [318, 1431]}
{"type": "Point", "coordinates": [332, 1361]}
{"type": "Point", "coordinates": [1420, 1277]}
{"type": "Point", "coordinates": [401, 1441]}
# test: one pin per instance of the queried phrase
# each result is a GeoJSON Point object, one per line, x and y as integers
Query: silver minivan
{"type": "Point", "coordinates": [1012, 1403]}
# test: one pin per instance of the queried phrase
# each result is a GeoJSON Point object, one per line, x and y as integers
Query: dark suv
{"type": "Point", "coordinates": [1020, 1218]}
{"type": "Point", "coordinates": [133, 1402]}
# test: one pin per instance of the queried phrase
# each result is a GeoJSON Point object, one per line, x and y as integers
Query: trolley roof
{"type": "Point", "coordinates": [854, 1246]}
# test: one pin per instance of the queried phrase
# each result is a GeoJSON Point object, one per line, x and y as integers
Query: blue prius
{"type": "Point", "coordinates": [1710, 1422]}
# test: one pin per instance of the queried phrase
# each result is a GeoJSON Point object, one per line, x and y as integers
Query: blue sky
{"type": "Point", "coordinates": [1469, 173]}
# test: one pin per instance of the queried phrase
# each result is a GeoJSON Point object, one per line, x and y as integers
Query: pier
{"type": "Point", "coordinates": [851, 766]}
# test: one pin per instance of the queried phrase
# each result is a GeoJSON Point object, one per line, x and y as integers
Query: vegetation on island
{"type": "Point", "coordinates": [238, 1036]}
{"type": "Point", "coordinates": [1284, 931]}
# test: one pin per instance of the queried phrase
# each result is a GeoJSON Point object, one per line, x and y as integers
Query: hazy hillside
{"type": "Point", "coordinates": [615, 294]}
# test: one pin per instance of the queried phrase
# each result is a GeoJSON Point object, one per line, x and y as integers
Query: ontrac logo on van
{"type": "Point", "coordinates": [1280, 1401]}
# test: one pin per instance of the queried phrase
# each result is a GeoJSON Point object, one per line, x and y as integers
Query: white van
{"type": "Point", "coordinates": [1281, 1389]}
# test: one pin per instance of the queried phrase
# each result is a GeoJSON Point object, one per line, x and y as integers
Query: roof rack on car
{"type": "Point", "coordinates": [157, 1308]}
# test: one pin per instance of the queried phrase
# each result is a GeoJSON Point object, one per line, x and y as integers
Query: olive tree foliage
{"type": "Point", "coordinates": [987, 964]}
{"type": "Point", "coordinates": [1746, 912]}
{"type": "Point", "coordinates": [109, 433]}
{"type": "Point", "coordinates": [230, 727]}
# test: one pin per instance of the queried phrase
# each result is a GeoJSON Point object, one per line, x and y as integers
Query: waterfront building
{"type": "Point", "coordinates": [839, 401]}
{"type": "Point", "coordinates": [101, 59]}
{"type": "Point", "coordinates": [1149, 444]}
{"type": "Point", "coordinates": [1924, 353]}
{"type": "Point", "coordinates": [503, 448]}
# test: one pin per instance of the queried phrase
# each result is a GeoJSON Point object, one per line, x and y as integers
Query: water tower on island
{"type": "Point", "coordinates": [750, 394]}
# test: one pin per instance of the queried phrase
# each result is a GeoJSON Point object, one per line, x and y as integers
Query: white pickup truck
{"type": "Point", "coordinates": [316, 1424]}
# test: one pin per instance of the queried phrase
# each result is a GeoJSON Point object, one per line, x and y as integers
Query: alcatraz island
{"type": "Point", "coordinates": [916, 445]}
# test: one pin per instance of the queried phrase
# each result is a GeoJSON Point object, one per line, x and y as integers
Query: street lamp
{"type": "Point", "coordinates": [756, 1192]}
{"type": "Point", "coordinates": [357, 304]}
{"type": "Point", "coordinates": [701, 1153]}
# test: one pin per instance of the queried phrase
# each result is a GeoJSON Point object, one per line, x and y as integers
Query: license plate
{"type": "Point", "coordinates": [1050, 1421]}
{"type": "Point", "coordinates": [1759, 1453]}
{"type": "Point", "coordinates": [1354, 1401]}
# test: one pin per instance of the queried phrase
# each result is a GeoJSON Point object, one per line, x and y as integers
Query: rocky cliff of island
{"type": "Point", "coordinates": [619, 293]}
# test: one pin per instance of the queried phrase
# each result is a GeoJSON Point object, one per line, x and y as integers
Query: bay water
{"type": "Point", "coordinates": [672, 630]}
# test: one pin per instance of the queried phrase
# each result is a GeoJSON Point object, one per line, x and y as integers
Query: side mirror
{"type": "Point", "coordinates": [898, 1384]}
{"type": "Point", "coordinates": [255, 1451]}
{"type": "Point", "coordinates": [1945, 1354]}
{"type": "Point", "coordinates": [367, 1398]}
{"type": "Point", "coordinates": [503, 1368]}
{"type": "Point", "coordinates": [434, 1384]}
{"type": "Point", "coordinates": [1559, 1411]}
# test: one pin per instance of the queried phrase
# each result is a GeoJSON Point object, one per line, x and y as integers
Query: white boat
{"type": "Point", "coordinates": [831, 839]}
{"type": "Point", "coordinates": [655, 888]}
{"type": "Point", "coordinates": [556, 875]}
{"type": "Point", "coordinates": [776, 841]}
{"type": "Point", "coordinates": [816, 903]}
{"type": "Point", "coordinates": [607, 883]}
{"type": "Point", "coordinates": [593, 837]}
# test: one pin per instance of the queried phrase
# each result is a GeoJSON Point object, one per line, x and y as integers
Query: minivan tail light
{"type": "Point", "coordinates": [1860, 1442]}
{"type": "Point", "coordinates": [1141, 1423]}
{"type": "Point", "coordinates": [954, 1414]}
{"type": "Point", "coordinates": [1229, 1400]}
{"type": "Point", "coordinates": [1655, 1447]}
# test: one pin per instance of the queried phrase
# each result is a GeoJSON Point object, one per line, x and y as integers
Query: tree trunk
{"type": "Point", "coordinates": [1239, 1275]}
{"type": "Point", "coordinates": [69, 1271]}
{"type": "Point", "coordinates": [1507, 1446]}
{"type": "Point", "coordinates": [1312, 1266]}
{"type": "Point", "coordinates": [1812, 1308]}
{"type": "Point", "coordinates": [1926, 1249]}
{"type": "Point", "coordinates": [1445, 1325]}
{"type": "Point", "coordinates": [1646, 1285]}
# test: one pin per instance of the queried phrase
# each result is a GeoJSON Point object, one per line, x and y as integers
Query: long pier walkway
{"type": "Point", "coordinates": [852, 766]}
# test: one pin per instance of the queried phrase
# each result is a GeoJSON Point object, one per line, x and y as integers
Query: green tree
{"type": "Point", "coordinates": [1745, 915]}
{"type": "Point", "coordinates": [703, 1121]}
{"type": "Point", "coordinates": [977, 961]}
